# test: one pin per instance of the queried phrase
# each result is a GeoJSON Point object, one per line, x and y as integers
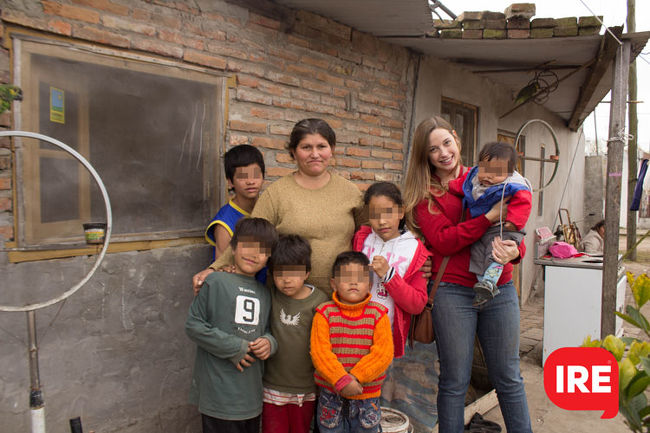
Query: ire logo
{"type": "Point", "coordinates": [582, 378]}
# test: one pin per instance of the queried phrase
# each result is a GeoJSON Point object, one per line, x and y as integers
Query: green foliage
{"type": "Point", "coordinates": [633, 358]}
{"type": "Point", "coordinates": [9, 93]}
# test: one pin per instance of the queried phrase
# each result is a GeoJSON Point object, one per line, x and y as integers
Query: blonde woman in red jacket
{"type": "Point", "coordinates": [434, 162]}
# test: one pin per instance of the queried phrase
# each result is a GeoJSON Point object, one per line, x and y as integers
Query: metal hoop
{"type": "Point", "coordinates": [109, 219]}
{"type": "Point", "coordinates": [542, 161]}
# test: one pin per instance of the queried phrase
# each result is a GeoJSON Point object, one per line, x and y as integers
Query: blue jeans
{"type": "Point", "coordinates": [456, 322]}
{"type": "Point", "coordinates": [336, 414]}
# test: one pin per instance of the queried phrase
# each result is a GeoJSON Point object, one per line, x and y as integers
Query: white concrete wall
{"type": "Point", "coordinates": [439, 78]}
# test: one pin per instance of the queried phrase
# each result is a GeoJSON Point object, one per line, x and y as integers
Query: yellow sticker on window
{"type": "Point", "coordinates": [57, 105]}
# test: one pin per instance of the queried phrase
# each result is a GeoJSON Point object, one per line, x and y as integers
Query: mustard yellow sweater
{"type": "Point", "coordinates": [326, 217]}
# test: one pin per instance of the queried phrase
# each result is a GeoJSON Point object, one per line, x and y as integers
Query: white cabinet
{"type": "Point", "coordinates": [572, 302]}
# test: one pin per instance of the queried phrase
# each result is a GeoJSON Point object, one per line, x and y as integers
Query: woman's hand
{"type": "Point", "coordinates": [493, 214]}
{"type": "Point", "coordinates": [504, 251]}
{"type": "Point", "coordinates": [198, 279]}
{"type": "Point", "coordinates": [426, 268]}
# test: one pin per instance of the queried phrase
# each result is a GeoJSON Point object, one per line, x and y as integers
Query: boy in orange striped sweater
{"type": "Point", "coordinates": [351, 348]}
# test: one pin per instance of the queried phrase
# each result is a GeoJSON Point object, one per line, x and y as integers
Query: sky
{"type": "Point", "coordinates": [614, 13]}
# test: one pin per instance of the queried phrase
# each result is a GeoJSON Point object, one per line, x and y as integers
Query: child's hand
{"type": "Point", "coordinates": [352, 388]}
{"type": "Point", "coordinates": [245, 362]}
{"type": "Point", "coordinates": [509, 226]}
{"type": "Point", "coordinates": [380, 266]}
{"type": "Point", "coordinates": [261, 348]}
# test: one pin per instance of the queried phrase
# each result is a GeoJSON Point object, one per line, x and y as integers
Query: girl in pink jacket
{"type": "Point", "coordinates": [396, 257]}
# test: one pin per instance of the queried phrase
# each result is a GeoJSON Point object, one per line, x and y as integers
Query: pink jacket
{"type": "Point", "coordinates": [408, 292]}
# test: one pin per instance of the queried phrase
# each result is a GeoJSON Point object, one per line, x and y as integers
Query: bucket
{"type": "Point", "coordinates": [95, 233]}
{"type": "Point", "coordinates": [394, 421]}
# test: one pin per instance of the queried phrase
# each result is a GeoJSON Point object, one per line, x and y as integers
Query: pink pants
{"type": "Point", "coordinates": [289, 418]}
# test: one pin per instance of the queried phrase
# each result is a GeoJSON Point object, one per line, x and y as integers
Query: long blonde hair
{"type": "Point", "coordinates": [421, 181]}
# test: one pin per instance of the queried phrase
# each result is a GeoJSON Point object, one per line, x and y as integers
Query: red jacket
{"type": "Point", "coordinates": [408, 292]}
{"type": "Point", "coordinates": [445, 236]}
{"type": "Point", "coordinates": [519, 205]}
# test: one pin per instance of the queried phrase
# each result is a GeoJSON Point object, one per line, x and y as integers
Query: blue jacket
{"type": "Point", "coordinates": [492, 195]}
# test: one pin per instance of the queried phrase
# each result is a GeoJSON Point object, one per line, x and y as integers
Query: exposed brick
{"type": "Point", "coordinates": [278, 171]}
{"type": "Point", "coordinates": [281, 129]}
{"type": "Point", "coordinates": [253, 96]}
{"type": "Point", "coordinates": [565, 31]}
{"type": "Point", "coordinates": [590, 21]}
{"type": "Point", "coordinates": [494, 34]}
{"type": "Point", "coordinates": [158, 47]}
{"type": "Point", "coordinates": [264, 21]}
{"type": "Point", "coordinates": [7, 232]}
{"type": "Point", "coordinates": [317, 87]}
{"type": "Point", "coordinates": [202, 58]}
{"type": "Point", "coordinates": [5, 183]}
{"type": "Point", "coordinates": [247, 81]}
{"type": "Point", "coordinates": [588, 31]}
{"type": "Point", "coordinates": [520, 10]}
{"type": "Point", "coordinates": [447, 24]}
{"type": "Point", "coordinates": [263, 113]}
{"type": "Point", "coordinates": [71, 12]}
{"type": "Point", "coordinates": [296, 40]}
{"type": "Point", "coordinates": [104, 5]}
{"type": "Point", "coordinates": [372, 164]}
{"type": "Point", "coordinates": [398, 156]}
{"type": "Point", "coordinates": [240, 125]}
{"type": "Point", "coordinates": [226, 50]}
{"type": "Point", "coordinates": [472, 34]}
{"type": "Point", "coordinates": [22, 19]}
{"type": "Point", "coordinates": [393, 166]}
{"type": "Point", "coordinates": [385, 177]}
{"type": "Point", "coordinates": [288, 103]}
{"type": "Point", "coordinates": [100, 36]}
{"type": "Point", "coordinates": [236, 139]}
{"type": "Point", "coordinates": [283, 78]}
{"type": "Point", "coordinates": [178, 38]}
{"type": "Point", "coordinates": [325, 25]}
{"type": "Point", "coordinates": [518, 24]}
{"type": "Point", "coordinates": [5, 162]}
{"type": "Point", "coordinates": [541, 33]}
{"type": "Point", "coordinates": [300, 69]}
{"type": "Point", "coordinates": [60, 27]}
{"type": "Point", "coordinates": [328, 78]}
{"type": "Point", "coordinates": [319, 63]}
{"type": "Point", "coordinates": [348, 162]}
{"type": "Point", "coordinates": [451, 34]}
{"type": "Point", "coordinates": [355, 151]}
{"type": "Point", "coordinates": [473, 25]}
{"type": "Point", "coordinates": [128, 25]}
{"type": "Point", "coordinates": [394, 145]}
{"type": "Point", "coordinates": [469, 16]}
{"type": "Point", "coordinates": [362, 175]}
{"type": "Point", "coordinates": [498, 24]}
{"type": "Point", "coordinates": [284, 158]}
{"type": "Point", "coordinates": [392, 123]}
{"type": "Point", "coordinates": [544, 23]}
{"type": "Point", "coordinates": [270, 143]}
{"type": "Point", "coordinates": [5, 204]}
{"type": "Point", "coordinates": [518, 34]}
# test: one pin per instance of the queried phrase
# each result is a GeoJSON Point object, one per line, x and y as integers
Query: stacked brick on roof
{"type": "Point", "coordinates": [514, 23]}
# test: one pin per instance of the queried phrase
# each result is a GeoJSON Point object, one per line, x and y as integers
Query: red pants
{"type": "Point", "coordinates": [289, 418]}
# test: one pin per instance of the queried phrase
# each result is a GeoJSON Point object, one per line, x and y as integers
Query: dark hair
{"type": "Point", "coordinates": [241, 156]}
{"type": "Point", "coordinates": [291, 250]}
{"type": "Point", "coordinates": [255, 230]}
{"type": "Point", "coordinates": [389, 190]}
{"type": "Point", "coordinates": [499, 150]}
{"type": "Point", "coordinates": [598, 225]}
{"type": "Point", "coordinates": [310, 126]}
{"type": "Point", "coordinates": [347, 257]}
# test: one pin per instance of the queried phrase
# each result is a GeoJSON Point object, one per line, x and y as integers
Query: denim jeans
{"type": "Point", "coordinates": [456, 322]}
{"type": "Point", "coordinates": [336, 414]}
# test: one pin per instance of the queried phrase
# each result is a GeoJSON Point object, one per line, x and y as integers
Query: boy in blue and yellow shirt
{"type": "Point", "coordinates": [244, 167]}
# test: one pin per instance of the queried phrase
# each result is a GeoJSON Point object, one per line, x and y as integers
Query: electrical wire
{"type": "Point", "coordinates": [566, 183]}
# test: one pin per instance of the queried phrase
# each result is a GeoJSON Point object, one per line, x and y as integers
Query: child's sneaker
{"type": "Point", "coordinates": [485, 291]}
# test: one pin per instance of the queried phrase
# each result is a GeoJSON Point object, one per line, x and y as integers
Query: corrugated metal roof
{"type": "Point", "coordinates": [377, 17]}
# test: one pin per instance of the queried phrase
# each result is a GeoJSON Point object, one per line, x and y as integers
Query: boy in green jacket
{"type": "Point", "coordinates": [229, 322]}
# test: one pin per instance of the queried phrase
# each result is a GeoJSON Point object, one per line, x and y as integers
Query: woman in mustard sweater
{"type": "Point", "coordinates": [312, 202]}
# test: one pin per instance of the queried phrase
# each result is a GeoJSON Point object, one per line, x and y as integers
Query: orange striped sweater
{"type": "Point", "coordinates": [351, 341]}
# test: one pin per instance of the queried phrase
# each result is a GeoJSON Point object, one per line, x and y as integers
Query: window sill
{"type": "Point", "coordinates": [113, 247]}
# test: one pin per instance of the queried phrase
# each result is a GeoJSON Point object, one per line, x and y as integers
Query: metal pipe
{"type": "Point", "coordinates": [437, 4]}
{"type": "Point", "coordinates": [36, 403]}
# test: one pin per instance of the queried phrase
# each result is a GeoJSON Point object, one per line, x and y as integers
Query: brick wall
{"type": "Point", "coordinates": [289, 65]}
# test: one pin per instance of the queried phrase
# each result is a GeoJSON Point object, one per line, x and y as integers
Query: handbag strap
{"type": "Point", "coordinates": [443, 265]}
